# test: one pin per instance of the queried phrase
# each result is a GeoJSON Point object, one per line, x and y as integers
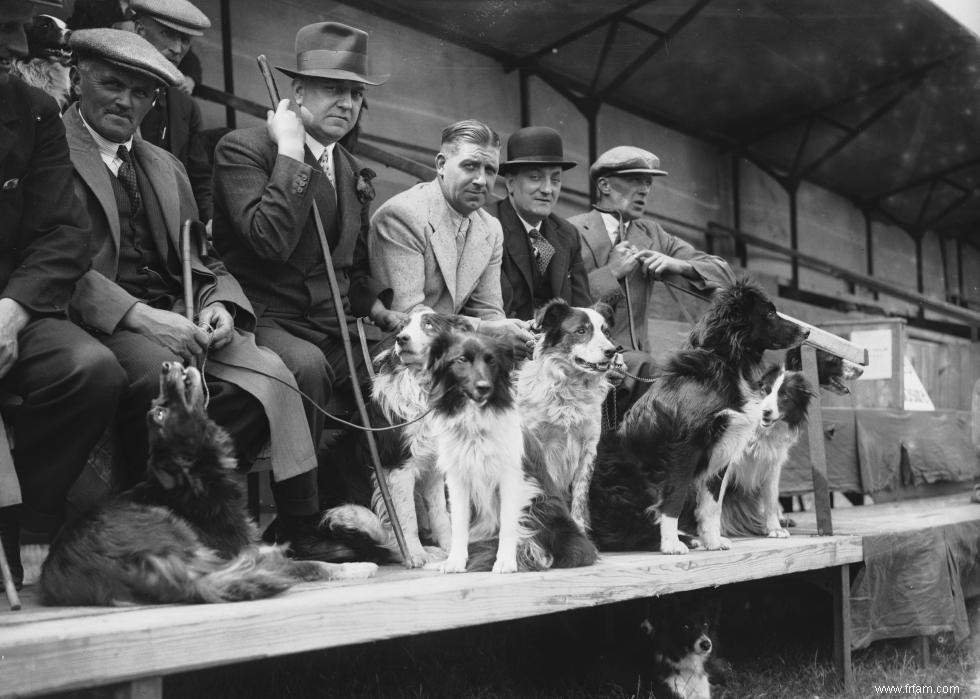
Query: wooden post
{"type": "Point", "coordinates": [841, 584]}
{"type": "Point", "coordinates": [818, 455]}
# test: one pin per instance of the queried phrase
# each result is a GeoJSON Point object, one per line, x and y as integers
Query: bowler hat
{"type": "Point", "coordinates": [176, 14]}
{"type": "Point", "coordinates": [534, 145]}
{"type": "Point", "coordinates": [126, 50]}
{"type": "Point", "coordinates": [332, 50]}
{"type": "Point", "coordinates": [626, 160]}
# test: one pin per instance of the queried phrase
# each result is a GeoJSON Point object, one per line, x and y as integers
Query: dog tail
{"type": "Point", "coordinates": [362, 530]}
{"type": "Point", "coordinates": [256, 573]}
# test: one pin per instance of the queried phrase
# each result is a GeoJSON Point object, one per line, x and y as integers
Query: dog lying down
{"type": "Point", "coordinates": [183, 534]}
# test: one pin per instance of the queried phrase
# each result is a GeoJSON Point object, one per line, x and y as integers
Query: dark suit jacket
{"type": "Point", "coordinates": [566, 272]}
{"type": "Point", "coordinates": [264, 229]}
{"type": "Point", "coordinates": [44, 231]}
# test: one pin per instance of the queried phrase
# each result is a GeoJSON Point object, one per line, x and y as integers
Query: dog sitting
{"type": "Point", "coordinates": [676, 656]}
{"type": "Point", "coordinates": [832, 371]}
{"type": "Point", "coordinates": [697, 417]}
{"type": "Point", "coordinates": [182, 535]}
{"type": "Point", "coordinates": [48, 56]}
{"type": "Point", "coordinates": [400, 394]}
{"type": "Point", "coordinates": [499, 491]}
{"type": "Point", "coordinates": [751, 502]}
{"type": "Point", "coordinates": [560, 393]}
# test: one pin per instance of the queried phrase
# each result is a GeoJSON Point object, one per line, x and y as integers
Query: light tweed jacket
{"type": "Point", "coordinates": [413, 250]}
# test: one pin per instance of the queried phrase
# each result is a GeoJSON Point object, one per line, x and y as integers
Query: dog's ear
{"type": "Point", "coordinates": [607, 313]}
{"type": "Point", "coordinates": [440, 345]}
{"type": "Point", "coordinates": [551, 315]}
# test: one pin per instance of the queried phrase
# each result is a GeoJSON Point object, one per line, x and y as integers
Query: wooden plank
{"type": "Point", "coordinates": [56, 654]}
{"type": "Point", "coordinates": [897, 517]}
{"type": "Point", "coordinates": [821, 339]}
{"type": "Point", "coordinates": [818, 452]}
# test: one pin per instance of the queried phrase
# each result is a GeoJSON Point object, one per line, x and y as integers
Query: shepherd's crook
{"type": "Point", "coordinates": [348, 347]}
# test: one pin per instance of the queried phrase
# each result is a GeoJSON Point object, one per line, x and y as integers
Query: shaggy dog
{"type": "Point", "coordinates": [697, 417]}
{"type": "Point", "coordinates": [498, 490]}
{"type": "Point", "coordinates": [399, 394]}
{"type": "Point", "coordinates": [676, 655]}
{"type": "Point", "coordinates": [560, 394]}
{"type": "Point", "coordinates": [48, 55]}
{"type": "Point", "coordinates": [751, 502]}
{"type": "Point", "coordinates": [182, 535]}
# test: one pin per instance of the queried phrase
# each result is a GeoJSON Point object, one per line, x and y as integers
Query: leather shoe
{"type": "Point", "coordinates": [305, 542]}
{"type": "Point", "coordinates": [10, 540]}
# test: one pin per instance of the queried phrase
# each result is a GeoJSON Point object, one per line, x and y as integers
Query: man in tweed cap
{"type": "Point", "coordinates": [174, 123]}
{"type": "Point", "coordinates": [138, 197]}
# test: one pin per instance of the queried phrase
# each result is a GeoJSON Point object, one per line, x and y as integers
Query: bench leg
{"type": "Point", "coordinates": [841, 584]}
{"type": "Point", "coordinates": [143, 688]}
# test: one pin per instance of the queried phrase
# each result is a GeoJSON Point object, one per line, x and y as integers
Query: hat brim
{"type": "Point", "coordinates": [331, 74]}
{"type": "Point", "coordinates": [630, 171]}
{"type": "Point", "coordinates": [182, 28]}
{"type": "Point", "coordinates": [514, 164]}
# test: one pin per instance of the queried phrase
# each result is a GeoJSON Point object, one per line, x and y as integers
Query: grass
{"type": "Point", "coordinates": [775, 634]}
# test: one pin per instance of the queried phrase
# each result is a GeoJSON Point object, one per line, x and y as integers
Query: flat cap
{"type": "Point", "coordinates": [176, 14]}
{"type": "Point", "coordinates": [626, 160]}
{"type": "Point", "coordinates": [126, 50]}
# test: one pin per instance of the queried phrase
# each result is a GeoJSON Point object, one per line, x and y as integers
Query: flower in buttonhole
{"type": "Point", "coordinates": [365, 190]}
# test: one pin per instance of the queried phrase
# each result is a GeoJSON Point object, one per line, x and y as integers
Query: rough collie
{"type": "Point", "coordinates": [183, 534]}
{"type": "Point", "coordinates": [697, 417]}
{"type": "Point", "coordinates": [751, 502]}
{"type": "Point", "coordinates": [560, 393]}
{"type": "Point", "coordinates": [498, 490]}
{"type": "Point", "coordinates": [400, 394]}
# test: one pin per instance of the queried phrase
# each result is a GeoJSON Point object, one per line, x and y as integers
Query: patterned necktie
{"type": "Point", "coordinates": [127, 175]}
{"type": "Point", "coordinates": [326, 165]}
{"type": "Point", "coordinates": [543, 250]}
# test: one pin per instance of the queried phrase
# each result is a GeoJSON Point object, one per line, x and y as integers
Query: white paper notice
{"type": "Point", "coordinates": [879, 346]}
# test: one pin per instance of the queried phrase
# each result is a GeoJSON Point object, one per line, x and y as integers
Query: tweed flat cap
{"type": "Point", "coordinates": [626, 160]}
{"type": "Point", "coordinates": [126, 50]}
{"type": "Point", "coordinates": [176, 14]}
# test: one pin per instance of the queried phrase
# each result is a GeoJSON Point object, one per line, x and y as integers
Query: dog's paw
{"type": "Point", "coordinates": [716, 543]}
{"type": "Point", "coordinates": [673, 548]}
{"type": "Point", "coordinates": [778, 534]}
{"type": "Point", "coordinates": [505, 565]}
{"type": "Point", "coordinates": [422, 557]}
{"type": "Point", "coordinates": [352, 571]}
{"type": "Point", "coordinates": [786, 522]}
{"type": "Point", "coordinates": [453, 564]}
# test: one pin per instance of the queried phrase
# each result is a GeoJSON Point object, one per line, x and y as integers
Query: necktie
{"type": "Point", "coordinates": [543, 250]}
{"type": "Point", "coordinates": [127, 175]}
{"type": "Point", "coordinates": [327, 166]}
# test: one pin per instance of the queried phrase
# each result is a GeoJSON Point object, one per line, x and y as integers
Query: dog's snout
{"type": "Point", "coordinates": [704, 645]}
{"type": "Point", "coordinates": [483, 387]}
{"type": "Point", "coordinates": [401, 339]}
{"type": "Point", "coordinates": [610, 353]}
{"type": "Point", "coordinates": [767, 414]}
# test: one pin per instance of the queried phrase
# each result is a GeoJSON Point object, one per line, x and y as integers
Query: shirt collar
{"type": "Point", "coordinates": [108, 149]}
{"type": "Point", "coordinates": [527, 226]}
{"type": "Point", "coordinates": [317, 148]}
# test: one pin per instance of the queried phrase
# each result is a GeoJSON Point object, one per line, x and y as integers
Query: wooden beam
{"type": "Point", "coordinates": [818, 452]}
{"type": "Point", "coordinates": [828, 342]}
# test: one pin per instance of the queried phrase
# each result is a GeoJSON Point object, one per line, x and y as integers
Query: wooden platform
{"type": "Point", "coordinates": [50, 649]}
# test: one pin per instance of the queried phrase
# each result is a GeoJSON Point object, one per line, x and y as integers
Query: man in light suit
{"type": "Point", "coordinates": [435, 246]}
{"type": "Point", "coordinates": [542, 251]}
{"type": "Point", "coordinates": [625, 254]}
{"type": "Point", "coordinates": [138, 196]}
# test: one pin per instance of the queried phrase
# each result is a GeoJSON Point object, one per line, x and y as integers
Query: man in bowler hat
{"type": "Point", "coordinates": [267, 180]}
{"type": "Point", "coordinates": [542, 252]}
{"type": "Point", "coordinates": [70, 384]}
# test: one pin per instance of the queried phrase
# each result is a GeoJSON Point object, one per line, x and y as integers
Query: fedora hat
{"type": "Point", "coordinates": [332, 50]}
{"type": "Point", "coordinates": [534, 145]}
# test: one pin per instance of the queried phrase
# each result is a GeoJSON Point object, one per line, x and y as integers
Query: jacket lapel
{"type": "Point", "coordinates": [91, 169]}
{"type": "Point", "coordinates": [515, 242]}
{"type": "Point", "coordinates": [596, 238]}
{"type": "Point", "coordinates": [8, 118]}
{"type": "Point", "coordinates": [164, 183]}
{"type": "Point", "coordinates": [558, 269]}
{"type": "Point", "coordinates": [443, 238]}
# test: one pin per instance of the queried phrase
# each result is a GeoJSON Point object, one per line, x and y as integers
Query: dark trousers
{"type": "Point", "coordinates": [71, 386]}
{"type": "Point", "coordinates": [231, 407]}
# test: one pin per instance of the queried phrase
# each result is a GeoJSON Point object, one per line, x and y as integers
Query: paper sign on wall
{"type": "Point", "coordinates": [879, 346]}
{"type": "Point", "coordinates": [916, 396]}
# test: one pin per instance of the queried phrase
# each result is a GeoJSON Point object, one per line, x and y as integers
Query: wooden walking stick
{"type": "Point", "coordinates": [8, 582]}
{"type": "Point", "coordinates": [379, 473]}
{"type": "Point", "coordinates": [185, 263]}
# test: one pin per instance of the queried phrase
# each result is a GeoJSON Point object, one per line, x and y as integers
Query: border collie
{"type": "Point", "coordinates": [832, 371]}
{"type": "Point", "coordinates": [697, 417]}
{"type": "Point", "coordinates": [677, 659]}
{"type": "Point", "coordinates": [183, 534]}
{"type": "Point", "coordinates": [48, 55]}
{"type": "Point", "coordinates": [751, 503]}
{"type": "Point", "coordinates": [400, 393]}
{"type": "Point", "coordinates": [498, 490]}
{"type": "Point", "coordinates": [560, 393]}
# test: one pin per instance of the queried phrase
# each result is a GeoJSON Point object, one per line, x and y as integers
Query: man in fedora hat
{"type": "Point", "coordinates": [69, 383]}
{"type": "Point", "coordinates": [267, 180]}
{"type": "Point", "coordinates": [175, 123]}
{"type": "Point", "coordinates": [437, 247]}
{"type": "Point", "coordinates": [624, 253]}
{"type": "Point", "coordinates": [138, 198]}
{"type": "Point", "coordinates": [542, 256]}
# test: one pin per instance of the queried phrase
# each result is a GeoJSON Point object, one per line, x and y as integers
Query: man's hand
{"type": "Point", "coordinates": [286, 130]}
{"type": "Point", "coordinates": [13, 318]}
{"type": "Point", "coordinates": [657, 264]}
{"type": "Point", "coordinates": [513, 331]}
{"type": "Point", "coordinates": [170, 329]}
{"type": "Point", "coordinates": [386, 319]}
{"type": "Point", "coordinates": [187, 84]}
{"type": "Point", "coordinates": [623, 259]}
{"type": "Point", "coordinates": [216, 320]}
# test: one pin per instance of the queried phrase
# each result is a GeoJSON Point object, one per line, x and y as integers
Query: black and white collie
{"type": "Point", "coordinates": [751, 502]}
{"type": "Point", "coordinates": [48, 56]}
{"type": "Point", "coordinates": [183, 534]}
{"type": "Point", "coordinates": [497, 486]}
{"type": "Point", "coordinates": [400, 394]}
{"type": "Point", "coordinates": [676, 654]}
{"type": "Point", "coordinates": [560, 393]}
{"type": "Point", "coordinates": [697, 417]}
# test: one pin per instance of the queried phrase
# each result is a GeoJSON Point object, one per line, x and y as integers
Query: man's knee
{"type": "Point", "coordinates": [99, 377]}
{"type": "Point", "coordinates": [309, 366]}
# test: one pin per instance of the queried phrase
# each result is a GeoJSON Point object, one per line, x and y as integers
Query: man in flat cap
{"type": "Point", "coordinates": [437, 247]}
{"type": "Point", "coordinates": [138, 198]}
{"type": "Point", "coordinates": [542, 256]}
{"type": "Point", "coordinates": [624, 253]}
{"type": "Point", "coordinates": [69, 383]}
{"type": "Point", "coordinates": [174, 123]}
{"type": "Point", "coordinates": [267, 180]}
